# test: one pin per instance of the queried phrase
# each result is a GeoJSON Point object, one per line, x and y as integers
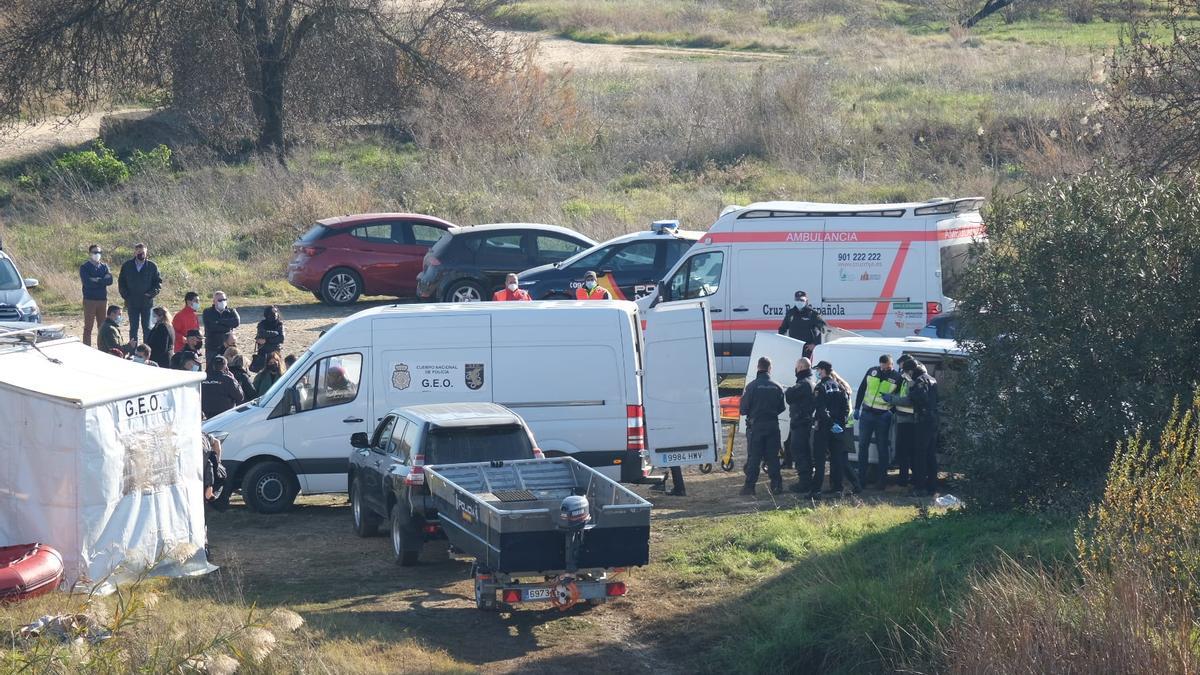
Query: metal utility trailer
{"type": "Point", "coordinates": [554, 520]}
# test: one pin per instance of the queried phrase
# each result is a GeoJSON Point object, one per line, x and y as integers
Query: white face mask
{"type": "Point", "coordinates": [139, 359]}
{"type": "Point", "coordinates": [221, 305]}
{"type": "Point", "coordinates": [95, 257]}
{"type": "Point", "coordinates": [195, 306]}
{"type": "Point", "coordinates": [589, 284]}
{"type": "Point", "coordinates": [512, 288]}
{"type": "Point", "coordinates": [800, 304]}
{"type": "Point", "coordinates": [119, 320]}
{"type": "Point", "coordinates": [195, 367]}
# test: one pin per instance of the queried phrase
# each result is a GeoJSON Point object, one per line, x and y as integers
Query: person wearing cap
{"type": "Point", "coordinates": [803, 323]}
{"type": "Point", "coordinates": [191, 345]}
{"type": "Point", "coordinates": [591, 290]}
{"type": "Point", "coordinates": [186, 320]}
{"type": "Point", "coordinates": [219, 391]}
{"type": "Point", "coordinates": [801, 400]}
{"type": "Point", "coordinates": [139, 284]}
{"type": "Point", "coordinates": [923, 398]}
{"type": "Point", "coordinates": [512, 291]}
{"type": "Point", "coordinates": [906, 429]}
{"type": "Point", "coordinates": [873, 414]}
{"type": "Point", "coordinates": [832, 416]}
{"type": "Point", "coordinates": [761, 404]}
{"type": "Point", "coordinates": [95, 278]}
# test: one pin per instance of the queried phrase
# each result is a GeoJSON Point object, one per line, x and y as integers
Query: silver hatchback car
{"type": "Point", "coordinates": [16, 304]}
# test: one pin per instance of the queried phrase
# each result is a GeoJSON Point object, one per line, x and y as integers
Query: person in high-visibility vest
{"type": "Point", "coordinates": [923, 397]}
{"type": "Point", "coordinates": [906, 428]}
{"type": "Point", "coordinates": [591, 290]}
{"type": "Point", "coordinates": [511, 291]}
{"type": "Point", "coordinates": [874, 416]}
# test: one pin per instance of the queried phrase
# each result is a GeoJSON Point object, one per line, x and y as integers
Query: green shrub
{"type": "Point", "coordinates": [157, 160]}
{"type": "Point", "coordinates": [98, 167]}
{"type": "Point", "coordinates": [1082, 318]}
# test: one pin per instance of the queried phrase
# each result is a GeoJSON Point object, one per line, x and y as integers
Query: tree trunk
{"type": "Point", "coordinates": [989, 8]}
{"type": "Point", "coordinates": [271, 120]}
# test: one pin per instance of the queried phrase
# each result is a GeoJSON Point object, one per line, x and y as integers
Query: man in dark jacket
{"type": "Point", "coordinates": [803, 323]}
{"type": "Point", "coordinates": [139, 284]}
{"type": "Point", "coordinates": [219, 391]}
{"type": "Point", "coordinates": [95, 278]}
{"type": "Point", "coordinates": [801, 402]}
{"type": "Point", "coordinates": [191, 348]}
{"type": "Point", "coordinates": [923, 397]}
{"type": "Point", "coordinates": [219, 320]}
{"type": "Point", "coordinates": [109, 337]}
{"type": "Point", "coordinates": [832, 420]}
{"type": "Point", "coordinates": [762, 401]}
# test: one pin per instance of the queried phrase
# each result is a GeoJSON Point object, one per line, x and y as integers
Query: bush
{"type": "Point", "coordinates": [98, 167]}
{"type": "Point", "coordinates": [1081, 315]}
{"type": "Point", "coordinates": [157, 160]}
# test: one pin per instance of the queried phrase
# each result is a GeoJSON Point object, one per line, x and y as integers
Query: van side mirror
{"type": "Point", "coordinates": [31, 283]}
{"type": "Point", "coordinates": [359, 439]}
{"type": "Point", "coordinates": [661, 294]}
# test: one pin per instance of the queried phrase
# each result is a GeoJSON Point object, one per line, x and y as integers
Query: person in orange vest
{"type": "Point", "coordinates": [511, 291]}
{"type": "Point", "coordinates": [590, 290]}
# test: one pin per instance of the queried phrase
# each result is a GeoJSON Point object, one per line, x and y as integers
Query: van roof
{"type": "Point", "coordinates": [899, 209]}
{"type": "Point", "coordinates": [458, 415]}
{"type": "Point", "coordinates": [489, 307]}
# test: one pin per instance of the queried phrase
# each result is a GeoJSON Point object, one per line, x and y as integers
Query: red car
{"type": "Point", "coordinates": [341, 259]}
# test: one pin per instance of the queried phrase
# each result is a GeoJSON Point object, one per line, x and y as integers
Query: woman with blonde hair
{"type": "Point", "coordinates": [271, 371]}
{"type": "Point", "coordinates": [161, 337]}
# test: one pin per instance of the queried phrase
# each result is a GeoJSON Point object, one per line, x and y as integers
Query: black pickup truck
{"type": "Point", "coordinates": [386, 477]}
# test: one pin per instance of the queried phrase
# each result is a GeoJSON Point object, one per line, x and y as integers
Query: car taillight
{"type": "Point", "coordinates": [932, 309]}
{"type": "Point", "coordinates": [416, 475]}
{"type": "Point", "coordinates": [538, 454]}
{"type": "Point", "coordinates": [431, 260]}
{"type": "Point", "coordinates": [635, 438]}
{"type": "Point", "coordinates": [430, 529]}
{"type": "Point", "coordinates": [309, 251]}
{"type": "Point", "coordinates": [615, 589]}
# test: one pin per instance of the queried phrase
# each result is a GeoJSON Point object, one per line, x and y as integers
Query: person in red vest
{"type": "Point", "coordinates": [511, 291]}
{"type": "Point", "coordinates": [590, 290]}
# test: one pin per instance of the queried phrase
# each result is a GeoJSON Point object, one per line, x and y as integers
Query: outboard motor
{"type": "Point", "coordinates": [574, 515]}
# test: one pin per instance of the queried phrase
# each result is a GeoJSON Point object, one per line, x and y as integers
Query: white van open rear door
{"type": "Point", "coordinates": [679, 386]}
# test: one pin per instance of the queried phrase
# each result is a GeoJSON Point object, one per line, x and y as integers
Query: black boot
{"type": "Point", "coordinates": [747, 491]}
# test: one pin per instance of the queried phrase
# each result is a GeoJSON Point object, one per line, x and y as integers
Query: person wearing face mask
{"type": "Point", "coordinates": [139, 284]}
{"type": "Point", "coordinates": [219, 391]}
{"type": "Point", "coordinates": [906, 428]}
{"type": "Point", "coordinates": [95, 277]}
{"type": "Point", "coordinates": [161, 339]}
{"type": "Point", "coordinates": [191, 349]}
{"type": "Point", "coordinates": [219, 321]}
{"type": "Point", "coordinates": [511, 292]}
{"type": "Point", "coordinates": [803, 323]}
{"type": "Point", "coordinates": [186, 319]}
{"type": "Point", "coordinates": [832, 413]}
{"type": "Point", "coordinates": [268, 337]}
{"type": "Point", "coordinates": [874, 416]}
{"type": "Point", "coordinates": [186, 360]}
{"type": "Point", "coordinates": [591, 290]}
{"type": "Point", "coordinates": [762, 401]}
{"type": "Point", "coordinates": [801, 400]}
{"type": "Point", "coordinates": [142, 355]}
{"type": "Point", "coordinates": [923, 398]}
{"type": "Point", "coordinates": [110, 337]}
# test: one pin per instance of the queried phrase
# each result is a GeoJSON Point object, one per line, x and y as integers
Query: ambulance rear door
{"type": "Point", "coordinates": [679, 385]}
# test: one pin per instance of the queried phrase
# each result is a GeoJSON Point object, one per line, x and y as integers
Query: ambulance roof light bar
{"type": "Point", "coordinates": [664, 226]}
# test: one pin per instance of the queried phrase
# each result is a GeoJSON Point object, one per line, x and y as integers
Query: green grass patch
{"type": "Point", "coordinates": [825, 590]}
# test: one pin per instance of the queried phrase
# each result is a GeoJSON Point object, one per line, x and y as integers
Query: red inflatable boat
{"type": "Point", "coordinates": [28, 570]}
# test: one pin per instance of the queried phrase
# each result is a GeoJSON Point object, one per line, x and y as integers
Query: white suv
{"type": "Point", "coordinates": [16, 304]}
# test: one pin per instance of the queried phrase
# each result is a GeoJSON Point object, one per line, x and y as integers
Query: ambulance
{"type": "Point", "coordinates": [874, 269]}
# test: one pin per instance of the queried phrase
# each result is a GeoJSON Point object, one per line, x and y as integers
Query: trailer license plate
{"type": "Point", "coordinates": [537, 594]}
{"type": "Point", "coordinates": [668, 458]}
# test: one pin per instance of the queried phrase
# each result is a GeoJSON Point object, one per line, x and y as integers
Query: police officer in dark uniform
{"type": "Point", "coordinates": [801, 402]}
{"type": "Point", "coordinates": [833, 411]}
{"type": "Point", "coordinates": [923, 397]}
{"type": "Point", "coordinates": [803, 323]}
{"type": "Point", "coordinates": [761, 404]}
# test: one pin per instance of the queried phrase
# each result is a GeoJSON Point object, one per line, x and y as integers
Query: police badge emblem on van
{"type": "Point", "coordinates": [401, 378]}
{"type": "Point", "coordinates": [474, 376]}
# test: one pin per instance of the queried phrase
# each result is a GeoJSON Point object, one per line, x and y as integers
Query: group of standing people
{"type": "Point", "coordinates": [589, 290]}
{"type": "Point", "coordinates": [821, 421]}
{"type": "Point", "coordinates": [193, 339]}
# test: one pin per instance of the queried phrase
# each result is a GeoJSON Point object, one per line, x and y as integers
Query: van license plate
{"type": "Point", "coordinates": [537, 594]}
{"type": "Point", "coordinates": [668, 458]}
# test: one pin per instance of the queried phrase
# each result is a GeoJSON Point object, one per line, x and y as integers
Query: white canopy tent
{"type": "Point", "coordinates": [100, 458]}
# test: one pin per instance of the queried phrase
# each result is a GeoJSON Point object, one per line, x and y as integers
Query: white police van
{"type": "Point", "coordinates": [583, 376]}
{"type": "Point", "coordinates": [875, 269]}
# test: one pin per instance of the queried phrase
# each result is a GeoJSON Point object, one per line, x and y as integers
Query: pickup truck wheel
{"type": "Point", "coordinates": [270, 487]}
{"type": "Point", "coordinates": [406, 541]}
{"type": "Point", "coordinates": [366, 523]}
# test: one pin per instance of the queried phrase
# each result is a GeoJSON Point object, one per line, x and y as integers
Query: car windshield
{"type": "Point", "coordinates": [9, 279]}
{"type": "Point", "coordinates": [478, 444]}
{"type": "Point", "coordinates": [298, 366]}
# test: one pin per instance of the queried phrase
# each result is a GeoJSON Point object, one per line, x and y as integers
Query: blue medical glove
{"type": "Point", "coordinates": [837, 429]}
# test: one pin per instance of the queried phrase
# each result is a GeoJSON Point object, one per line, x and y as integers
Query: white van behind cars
{"type": "Point", "coordinates": [572, 370]}
{"type": "Point", "coordinates": [875, 269]}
